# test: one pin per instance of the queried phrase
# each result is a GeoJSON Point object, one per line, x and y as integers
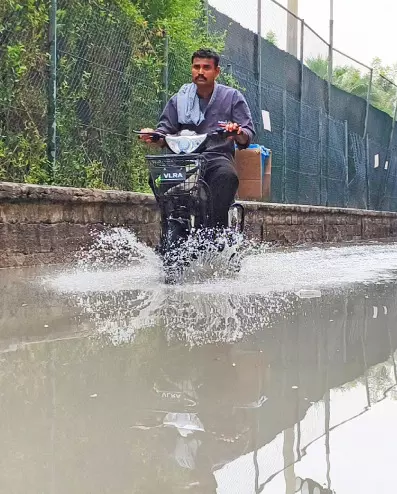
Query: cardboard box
{"type": "Point", "coordinates": [254, 169]}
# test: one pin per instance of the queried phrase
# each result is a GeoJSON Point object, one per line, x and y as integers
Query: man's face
{"type": "Point", "coordinates": [204, 72]}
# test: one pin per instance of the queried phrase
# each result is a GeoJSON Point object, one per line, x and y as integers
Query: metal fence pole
{"type": "Point", "coordinates": [206, 11]}
{"type": "Point", "coordinates": [371, 77]}
{"type": "Point", "coordinates": [52, 89]}
{"type": "Point", "coordinates": [393, 128]}
{"type": "Point", "coordinates": [320, 153]}
{"type": "Point", "coordinates": [259, 56]}
{"type": "Point", "coordinates": [388, 159]}
{"type": "Point", "coordinates": [331, 45]}
{"type": "Point", "coordinates": [329, 105]}
{"type": "Point", "coordinates": [302, 54]}
{"type": "Point", "coordinates": [166, 68]}
{"type": "Point", "coordinates": [330, 54]}
{"type": "Point", "coordinates": [284, 168]}
{"type": "Point", "coordinates": [346, 194]}
{"type": "Point", "coordinates": [368, 196]}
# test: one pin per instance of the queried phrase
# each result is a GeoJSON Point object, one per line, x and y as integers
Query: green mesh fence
{"type": "Point", "coordinates": [332, 141]}
{"type": "Point", "coordinates": [23, 91]}
{"type": "Point", "coordinates": [332, 144]}
{"type": "Point", "coordinates": [108, 86]}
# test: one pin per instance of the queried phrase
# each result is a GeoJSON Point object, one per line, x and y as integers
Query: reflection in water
{"type": "Point", "coordinates": [185, 316]}
{"type": "Point", "coordinates": [200, 389]}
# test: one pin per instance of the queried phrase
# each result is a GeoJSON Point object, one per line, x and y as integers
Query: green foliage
{"type": "Point", "coordinates": [228, 79]}
{"type": "Point", "coordinates": [110, 64]}
{"type": "Point", "coordinates": [23, 98]}
{"type": "Point", "coordinates": [111, 59]}
{"type": "Point", "coordinates": [318, 65]}
{"type": "Point", "coordinates": [352, 80]}
{"type": "Point", "coordinates": [109, 82]}
{"type": "Point", "coordinates": [184, 23]}
{"type": "Point", "coordinates": [271, 37]}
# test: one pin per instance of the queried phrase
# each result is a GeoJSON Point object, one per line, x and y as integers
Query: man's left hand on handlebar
{"type": "Point", "coordinates": [240, 136]}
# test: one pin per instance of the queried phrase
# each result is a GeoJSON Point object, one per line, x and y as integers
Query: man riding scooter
{"type": "Point", "coordinates": [200, 107]}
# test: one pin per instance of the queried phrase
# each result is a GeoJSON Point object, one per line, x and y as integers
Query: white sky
{"type": "Point", "coordinates": [363, 29]}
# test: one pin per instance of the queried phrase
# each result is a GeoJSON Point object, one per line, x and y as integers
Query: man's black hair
{"type": "Point", "coordinates": [207, 53]}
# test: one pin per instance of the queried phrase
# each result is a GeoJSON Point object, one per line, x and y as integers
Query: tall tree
{"type": "Point", "coordinates": [352, 80]}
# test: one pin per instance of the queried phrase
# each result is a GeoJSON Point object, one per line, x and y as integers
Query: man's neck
{"type": "Point", "coordinates": [205, 92]}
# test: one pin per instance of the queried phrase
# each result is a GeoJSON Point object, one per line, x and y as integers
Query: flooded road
{"type": "Point", "coordinates": [282, 379]}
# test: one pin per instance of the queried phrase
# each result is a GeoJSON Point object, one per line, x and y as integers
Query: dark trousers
{"type": "Point", "coordinates": [222, 180]}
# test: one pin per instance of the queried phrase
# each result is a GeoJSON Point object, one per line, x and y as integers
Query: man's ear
{"type": "Point", "coordinates": [218, 72]}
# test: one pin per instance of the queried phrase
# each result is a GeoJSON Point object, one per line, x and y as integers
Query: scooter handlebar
{"type": "Point", "coordinates": [156, 136]}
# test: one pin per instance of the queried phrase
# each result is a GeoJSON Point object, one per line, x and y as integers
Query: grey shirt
{"type": "Point", "coordinates": [229, 105]}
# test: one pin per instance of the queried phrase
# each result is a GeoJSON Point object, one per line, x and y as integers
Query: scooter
{"type": "Point", "coordinates": [184, 199]}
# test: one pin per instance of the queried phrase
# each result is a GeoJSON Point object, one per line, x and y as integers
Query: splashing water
{"type": "Point", "coordinates": [207, 254]}
{"type": "Point", "coordinates": [118, 261]}
{"type": "Point", "coordinates": [115, 248]}
{"type": "Point", "coordinates": [119, 286]}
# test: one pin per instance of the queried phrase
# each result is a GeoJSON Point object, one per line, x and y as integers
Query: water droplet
{"type": "Point", "coordinates": [309, 294]}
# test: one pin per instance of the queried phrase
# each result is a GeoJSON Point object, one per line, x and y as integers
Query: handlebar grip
{"type": "Point", "coordinates": [225, 133]}
{"type": "Point", "coordinates": [155, 136]}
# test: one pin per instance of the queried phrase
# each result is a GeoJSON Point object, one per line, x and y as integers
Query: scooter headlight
{"type": "Point", "coordinates": [185, 144]}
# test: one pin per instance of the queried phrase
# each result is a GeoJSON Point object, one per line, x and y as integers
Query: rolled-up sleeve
{"type": "Point", "coordinates": [241, 114]}
{"type": "Point", "coordinates": [168, 123]}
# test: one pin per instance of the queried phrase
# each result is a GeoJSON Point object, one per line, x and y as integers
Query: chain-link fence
{"type": "Point", "coordinates": [23, 91]}
{"type": "Point", "coordinates": [106, 74]}
{"type": "Point", "coordinates": [107, 87]}
{"type": "Point", "coordinates": [332, 138]}
{"type": "Point", "coordinates": [106, 71]}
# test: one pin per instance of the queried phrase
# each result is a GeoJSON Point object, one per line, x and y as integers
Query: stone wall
{"type": "Point", "coordinates": [294, 224]}
{"type": "Point", "coordinates": [40, 224]}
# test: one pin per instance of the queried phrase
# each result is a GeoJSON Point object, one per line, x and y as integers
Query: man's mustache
{"type": "Point", "coordinates": [201, 77]}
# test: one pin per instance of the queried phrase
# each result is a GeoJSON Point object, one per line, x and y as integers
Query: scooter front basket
{"type": "Point", "coordinates": [175, 174]}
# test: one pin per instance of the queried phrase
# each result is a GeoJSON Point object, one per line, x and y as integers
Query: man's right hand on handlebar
{"type": "Point", "coordinates": [150, 136]}
{"type": "Point", "coordinates": [146, 137]}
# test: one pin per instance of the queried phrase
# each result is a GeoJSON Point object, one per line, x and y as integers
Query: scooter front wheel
{"type": "Point", "coordinates": [173, 255]}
